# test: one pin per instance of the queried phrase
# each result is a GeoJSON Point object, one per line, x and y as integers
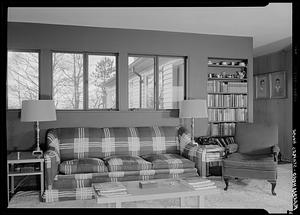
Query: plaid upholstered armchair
{"type": "Point", "coordinates": [256, 156]}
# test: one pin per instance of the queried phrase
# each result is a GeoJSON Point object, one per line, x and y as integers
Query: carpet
{"type": "Point", "coordinates": [242, 193]}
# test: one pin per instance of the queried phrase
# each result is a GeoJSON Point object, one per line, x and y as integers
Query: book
{"type": "Point", "coordinates": [109, 186]}
{"type": "Point", "coordinates": [207, 187]}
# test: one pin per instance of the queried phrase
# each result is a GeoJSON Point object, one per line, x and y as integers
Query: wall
{"type": "Point", "coordinates": [276, 111]}
{"type": "Point", "coordinates": [197, 47]}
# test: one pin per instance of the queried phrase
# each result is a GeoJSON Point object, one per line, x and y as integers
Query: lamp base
{"type": "Point", "coordinates": [37, 153]}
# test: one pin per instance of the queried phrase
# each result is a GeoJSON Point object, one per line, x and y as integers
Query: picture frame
{"type": "Point", "coordinates": [262, 89]}
{"type": "Point", "coordinates": [278, 85]}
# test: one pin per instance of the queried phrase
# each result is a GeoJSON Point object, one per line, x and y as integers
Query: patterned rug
{"type": "Point", "coordinates": [242, 193]}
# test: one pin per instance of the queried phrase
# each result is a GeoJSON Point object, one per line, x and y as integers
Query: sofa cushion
{"type": "Point", "coordinates": [169, 161]}
{"type": "Point", "coordinates": [255, 162]}
{"type": "Point", "coordinates": [84, 165]}
{"type": "Point", "coordinates": [127, 163]}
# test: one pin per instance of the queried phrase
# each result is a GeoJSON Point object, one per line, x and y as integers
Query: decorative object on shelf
{"type": "Point", "coordinates": [196, 108]}
{"type": "Point", "coordinates": [277, 85]}
{"type": "Point", "coordinates": [36, 111]}
{"type": "Point", "coordinates": [227, 97]}
{"type": "Point", "coordinates": [261, 86]}
{"type": "Point", "coordinates": [242, 64]}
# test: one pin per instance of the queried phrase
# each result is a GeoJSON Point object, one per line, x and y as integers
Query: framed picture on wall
{"type": "Point", "coordinates": [262, 86]}
{"type": "Point", "coordinates": [277, 85]}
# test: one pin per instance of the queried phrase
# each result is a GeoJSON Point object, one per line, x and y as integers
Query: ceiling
{"type": "Point", "coordinates": [270, 26]}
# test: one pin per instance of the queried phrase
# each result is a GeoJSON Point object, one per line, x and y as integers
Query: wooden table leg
{"type": "Point", "coordinates": [12, 185]}
{"type": "Point", "coordinates": [42, 178]}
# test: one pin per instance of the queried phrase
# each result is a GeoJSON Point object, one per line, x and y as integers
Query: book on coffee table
{"type": "Point", "coordinates": [110, 189]}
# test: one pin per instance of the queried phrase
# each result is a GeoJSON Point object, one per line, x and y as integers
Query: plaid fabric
{"type": "Point", "coordinates": [169, 161]}
{"type": "Point", "coordinates": [84, 165]}
{"type": "Point", "coordinates": [197, 154]}
{"type": "Point", "coordinates": [55, 195]}
{"type": "Point", "coordinates": [76, 143]}
{"type": "Point", "coordinates": [78, 186]}
{"type": "Point", "coordinates": [127, 163]}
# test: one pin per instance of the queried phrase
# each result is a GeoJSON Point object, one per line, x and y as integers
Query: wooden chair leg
{"type": "Point", "coordinates": [226, 183]}
{"type": "Point", "coordinates": [273, 188]}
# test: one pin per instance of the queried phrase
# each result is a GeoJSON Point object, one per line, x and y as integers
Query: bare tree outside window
{"type": "Point", "coordinates": [68, 80]}
{"type": "Point", "coordinates": [22, 77]}
{"type": "Point", "coordinates": [102, 82]}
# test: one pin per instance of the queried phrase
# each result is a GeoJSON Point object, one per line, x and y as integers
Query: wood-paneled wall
{"type": "Point", "coordinates": [276, 111]}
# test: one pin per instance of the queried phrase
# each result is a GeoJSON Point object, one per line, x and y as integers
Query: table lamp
{"type": "Point", "coordinates": [37, 111]}
{"type": "Point", "coordinates": [196, 108]}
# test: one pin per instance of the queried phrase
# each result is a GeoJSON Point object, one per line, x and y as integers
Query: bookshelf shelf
{"type": "Point", "coordinates": [226, 66]}
{"type": "Point", "coordinates": [227, 95]}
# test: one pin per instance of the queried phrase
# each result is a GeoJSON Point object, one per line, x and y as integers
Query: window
{"type": "Point", "coordinates": [101, 82]}
{"type": "Point", "coordinates": [143, 72]}
{"type": "Point", "coordinates": [171, 82]}
{"type": "Point", "coordinates": [141, 82]}
{"type": "Point", "coordinates": [22, 77]}
{"type": "Point", "coordinates": [80, 85]}
{"type": "Point", "coordinates": [67, 80]}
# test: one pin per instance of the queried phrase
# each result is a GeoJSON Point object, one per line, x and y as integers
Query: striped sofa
{"type": "Point", "coordinates": [78, 157]}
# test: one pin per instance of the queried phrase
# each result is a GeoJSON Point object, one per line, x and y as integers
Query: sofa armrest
{"type": "Point", "coordinates": [275, 151]}
{"type": "Point", "coordinates": [52, 162]}
{"type": "Point", "coordinates": [52, 158]}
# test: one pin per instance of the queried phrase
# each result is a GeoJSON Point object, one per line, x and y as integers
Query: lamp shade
{"type": "Point", "coordinates": [196, 108]}
{"type": "Point", "coordinates": [38, 110]}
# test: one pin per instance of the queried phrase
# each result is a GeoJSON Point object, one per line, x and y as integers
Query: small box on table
{"type": "Point", "coordinates": [147, 184]}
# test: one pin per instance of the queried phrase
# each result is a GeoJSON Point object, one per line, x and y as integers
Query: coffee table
{"type": "Point", "coordinates": [165, 189]}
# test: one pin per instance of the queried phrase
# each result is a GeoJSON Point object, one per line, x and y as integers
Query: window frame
{"type": "Point", "coordinates": [38, 51]}
{"type": "Point", "coordinates": [86, 77]}
{"type": "Point", "coordinates": [156, 80]}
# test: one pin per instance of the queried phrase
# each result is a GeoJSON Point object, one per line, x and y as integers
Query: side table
{"type": "Point", "coordinates": [28, 165]}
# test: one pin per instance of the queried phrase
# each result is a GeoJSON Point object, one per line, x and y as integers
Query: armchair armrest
{"type": "Point", "coordinates": [275, 151]}
{"type": "Point", "coordinates": [230, 148]}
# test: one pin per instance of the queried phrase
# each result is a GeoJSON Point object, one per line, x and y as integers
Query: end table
{"type": "Point", "coordinates": [30, 165]}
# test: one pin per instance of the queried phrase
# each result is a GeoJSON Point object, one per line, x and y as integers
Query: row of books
{"type": "Point", "coordinates": [220, 115]}
{"type": "Point", "coordinates": [215, 86]}
{"type": "Point", "coordinates": [222, 129]}
{"type": "Point", "coordinates": [232, 100]}
{"type": "Point", "coordinates": [110, 189]}
{"type": "Point", "coordinates": [200, 183]}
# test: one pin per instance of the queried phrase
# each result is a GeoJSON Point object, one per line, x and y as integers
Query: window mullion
{"type": "Point", "coordinates": [85, 82]}
{"type": "Point", "coordinates": [156, 83]}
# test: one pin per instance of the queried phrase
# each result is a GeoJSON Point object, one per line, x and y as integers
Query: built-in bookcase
{"type": "Point", "coordinates": [227, 95]}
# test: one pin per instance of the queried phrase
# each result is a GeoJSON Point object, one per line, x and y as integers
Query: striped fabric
{"type": "Point", "coordinates": [169, 161]}
{"type": "Point", "coordinates": [127, 163]}
{"type": "Point", "coordinates": [84, 165]}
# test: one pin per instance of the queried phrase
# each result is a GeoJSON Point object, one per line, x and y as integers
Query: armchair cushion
{"type": "Point", "coordinates": [83, 165]}
{"type": "Point", "coordinates": [254, 162]}
{"type": "Point", "coordinates": [256, 139]}
{"type": "Point", "coordinates": [169, 161]}
{"type": "Point", "coordinates": [127, 163]}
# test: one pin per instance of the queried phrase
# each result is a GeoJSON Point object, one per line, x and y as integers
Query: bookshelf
{"type": "Point", "coordinates": [227, 95]}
